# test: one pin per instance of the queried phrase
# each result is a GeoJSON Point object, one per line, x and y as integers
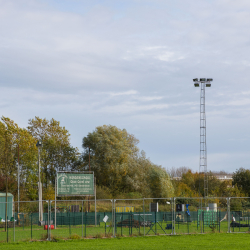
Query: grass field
{"type": "Point", "coordinates": [201, 241]}
{"type": "Point", "coordinates": [79, 231]}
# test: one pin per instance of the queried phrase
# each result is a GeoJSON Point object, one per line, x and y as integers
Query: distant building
{"type": "Point", "coordinates": [223, 177]}
{"type": "Point", "coordinates": [176, 178]}
{"type": "Point", "coordinates": [219, 176]}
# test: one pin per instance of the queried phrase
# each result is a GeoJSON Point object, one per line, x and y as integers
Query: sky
{"type": "Point", "coordinates": [131, 64]}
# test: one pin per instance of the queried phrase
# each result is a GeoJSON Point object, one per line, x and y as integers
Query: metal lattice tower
{"type": "Point", "coordinates": [203, 83]}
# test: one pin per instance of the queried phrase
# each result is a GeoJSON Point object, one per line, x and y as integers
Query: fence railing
{"type": "Point", "coordinates": [73, 219]}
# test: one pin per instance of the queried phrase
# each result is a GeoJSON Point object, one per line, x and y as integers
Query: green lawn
{"type": "Point", "coordinates": [201, 241]}
{"type": "Point", "coordinates": [66, 232]}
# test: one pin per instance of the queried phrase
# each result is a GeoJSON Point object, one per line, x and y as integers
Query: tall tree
{"type": "Point", "coordinates": [241, 178]}
{"type": "Point", "coordinates": [57, 154]}
{"type": "Point", "coordinates": [26, 157]}
{"type": "Point", "coordinates": [111, 150]}
{"type": "Point", "coordinates": [8, 137]}
{"type": "Point", "coordinates": [118, 165]}
{"type": "Point", "coordinates": [17, 147]}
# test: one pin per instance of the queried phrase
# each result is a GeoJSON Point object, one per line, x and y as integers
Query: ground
{"type": "Point", "coordinates": [197, 241]}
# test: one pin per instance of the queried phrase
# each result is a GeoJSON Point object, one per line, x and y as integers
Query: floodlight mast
{"type": "Point", "coordinates": [203, 83]}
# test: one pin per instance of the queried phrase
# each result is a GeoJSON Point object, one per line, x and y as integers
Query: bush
{"type": "Point", "coordinates": [103, 193]}
{"type": "Point", "coordinates": [74, 237]}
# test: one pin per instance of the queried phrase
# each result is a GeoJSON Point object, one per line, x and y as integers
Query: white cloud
{"type": "Point", "coordinates": [149, 98]}
{"type": "Point", "coordinates": [161, 53]}
{"type": "Point", "coordinates": [130, 92]}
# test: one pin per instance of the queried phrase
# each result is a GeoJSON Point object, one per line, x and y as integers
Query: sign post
{"type": "Point", "coordinates": [75, 184]}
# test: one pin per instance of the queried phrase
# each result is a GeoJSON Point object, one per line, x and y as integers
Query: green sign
{"type": "Point", "coordinates": [75, 184]}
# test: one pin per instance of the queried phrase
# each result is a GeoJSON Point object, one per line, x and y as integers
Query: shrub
{"type": "Point", "coordinates": [74, 237]}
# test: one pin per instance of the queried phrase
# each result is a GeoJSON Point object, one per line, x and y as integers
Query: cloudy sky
{"type": "Point", "coordinates": [130, 64]}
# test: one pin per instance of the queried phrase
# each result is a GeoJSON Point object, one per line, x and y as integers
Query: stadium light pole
{"type": "Point", "coordinates": [40, 194]}
{"type": "Point", "coordinates": [203, 83]}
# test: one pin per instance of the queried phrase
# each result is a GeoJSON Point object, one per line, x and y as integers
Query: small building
{"type": "Point", "coordinates": [10, 202]}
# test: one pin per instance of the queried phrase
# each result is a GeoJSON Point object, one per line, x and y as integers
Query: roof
{"type": "Point", "coordinates": [2, 194]}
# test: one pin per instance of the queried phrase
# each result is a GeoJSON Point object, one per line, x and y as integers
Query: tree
{"type": "Point", "coordinates": [111, 150]}
{"type": "Point", "coordinates": [160, 183]}
{"type": "Point", "coordinates": [118, 165]}
{"type": "Point", "coordinates": [12, 183]}
{"type": "Point", "coordinates": [57, 154]}
{"type": "Point", "coordinates": [186, 186]}
{"type": "Point", "coordinates": [151, 180]}
{"type": "Point", "coordinates": [26, 152]}
{"type": "Point", "coordinates": [8, 132]}
{"type": "Point", "coordinates": [242, 178]}
{"type": "Point", "coordinates": [177, 172]}
{"type": "Point", "coordinates": [213, 184]}
{"type": "Point", "coordinates": [193, 184]}
{"type": "Point", "coordinates": [17, 146]}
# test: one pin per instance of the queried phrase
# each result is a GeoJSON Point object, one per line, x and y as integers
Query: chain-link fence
{"type": "Point", "coordinates": [239, 214]}
{"type": "Point", "coordinates": [74, 219]}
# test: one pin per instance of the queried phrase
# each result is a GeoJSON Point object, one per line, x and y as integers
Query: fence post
{"type": "Point", "coordinates": [155, 224]}
{"type": "Point", "coordinates": [55, 202]}
{"type": "Point", "coordinates": [50, 204]}
{"type": "Point", "coordinates": [114, 220]}
{"type": "Point", "coordinates": [69, 225]}
{"type": "Point", "coordinates": [201, 219]}
{"type": "Point", "coordinates": [239, 214]}
{"type": "Point", "coordinates": [248, 218]}
{"type": "Point", "coordinates": [228, 215]}
{"type": "Point", "coordinates": [14, 223]}
{"type": "Point", "coordinates": [105, 224]}
{"type": "Point", "coordinates": [219, 219]}
{"type": "Point", "coordinates": [121, 223]}
{"type": "Point", "coordinates": [7, 228]}
{"type": "Point", "coordinates": [31, 225]}
{"type": "Point", "coordinates": [95, 201]}
{"type": "Point", "coordinates": [139, 217]}
{"type": "Point", "coordinates": [85, 222]}
{"type": "Point", "coordinates": [113, 216]}
{"type": "Point", "coordinates": [174, 215]}
{"type": "Point", "coordinates": [82, 219]}
{"type": "Point", "coordinates": [143, 217]}
{"type": "Point", "coordinates": [50, 211]}
{"type": "Point", "coordinates": [132, 222]}
{"type": "Point", "coordinates": [48, 220]}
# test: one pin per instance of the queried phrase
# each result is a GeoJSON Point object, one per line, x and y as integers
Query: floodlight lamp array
{"type": "Point", "coordinates": [202, 80]}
